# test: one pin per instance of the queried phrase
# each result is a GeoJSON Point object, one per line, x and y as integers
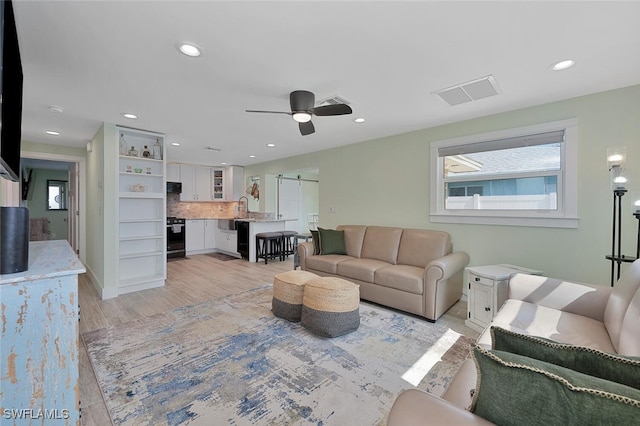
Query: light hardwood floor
{"type": "Point", "coordinates": [189, 281]}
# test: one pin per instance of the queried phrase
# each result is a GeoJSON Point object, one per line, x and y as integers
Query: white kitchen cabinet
{"type": "Point", "coordinates": [201, 183]}
{"type": "Point", "coordinates": [488, 288]}
{"type": "Point", "coordinates": [210, 228]}
{"type": "Point", "coordinates": [233, 183]}
{"type": "Point", "coordinates": [217, 184]}
{"type": "Point", "coordinates": [188, 179]}
{"type": "Point", "coordinates": [196, 183]}
{"type": "Point", "coordinates": [227, 242]}
{"type": "Point", "coordinates": [201, 235]}
{"type": "Point", "coordinates": [141, 220]}
{"type": "Point", "coordinates": [194, 239]}
{"type": "Point", "coordinates": [173, 173]}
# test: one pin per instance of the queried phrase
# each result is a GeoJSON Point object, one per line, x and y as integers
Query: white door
{"type": "Point", "coordinates": [288, 199]}
{"type": "Point", "coordinates": [72, 220]}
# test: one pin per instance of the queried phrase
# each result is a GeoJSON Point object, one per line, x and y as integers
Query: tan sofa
{"type": "Point", "coordinates": [413, 270]}
{"type": "Point", "coordinates": [598, 317]}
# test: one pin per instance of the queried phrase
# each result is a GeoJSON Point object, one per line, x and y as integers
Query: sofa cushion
{"type": "Point", "coordinates": [401, 277]}
{"type": "Point", "coordinates": [618, 307]}
{"type": "Point", "coordinates": [629, 343]}
{"type": "Point", "coordinates": [381, 243]}
{"type": "Point", "coordinates": [360, 269]}
{"type": "Point", "coordinates": [513, 388]}
{"type": "Point", "coordinates": [315, 236]}
{"type": "Point", "coordinates": [353, 238]}
{"type": "Point", "coordinates": [537, 320]}
{"type": "Point", "coordinates": [607, 366]}
{"type": "Point", "coordinates": [328, 263]}
{"type": "Point", "coordinates": [331, 241]}
{"type": "Point", "coordinates": [418, 247]}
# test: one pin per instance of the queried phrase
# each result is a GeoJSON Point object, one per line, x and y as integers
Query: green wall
{"type": "Point", "coordinates": [37, 202]}
{"type": "Point", "coordinates": [386, 182]}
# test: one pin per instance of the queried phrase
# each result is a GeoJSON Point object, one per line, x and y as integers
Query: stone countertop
{"type": "Point", "coordinates": [251, 219]}
{"type": "Point", "coordinates": [248, 219]}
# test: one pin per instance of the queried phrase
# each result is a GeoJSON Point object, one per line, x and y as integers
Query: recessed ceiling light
{"type": "Point", "coordinates": [52, 133]}
{"type": "Point", "coordinates": [271, 145]}
{"type": "Point", "coordinates": [129, 115]}
{"type": "Point", "coordinates": [359, 120]}
{"type": "Point", "coordinates": [189, 49]}
{"type": "Point", "coordinates": [252, 156]}
{"type": "Point", "coordinates": [56, 109]}
{"type": "Point", "coordinates": [175, 144]}
{"type": "Point", "coordinates": [562, 65]}
{"type": "Point", "coordinates": [224, 163]}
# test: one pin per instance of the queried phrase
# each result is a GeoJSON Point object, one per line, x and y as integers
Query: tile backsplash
{"type": "Point", "coordinates": [199, 210]}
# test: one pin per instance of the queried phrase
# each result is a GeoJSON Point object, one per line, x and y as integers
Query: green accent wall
{"type": "Point", "coordinates": [386, 182]}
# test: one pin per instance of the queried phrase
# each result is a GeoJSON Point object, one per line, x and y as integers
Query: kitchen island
{"type": "Point", "coordinates": [247, 234]}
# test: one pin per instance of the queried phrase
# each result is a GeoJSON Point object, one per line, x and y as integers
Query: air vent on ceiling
{"type": "Point", "coordinates": [470, 91]}
{"type": "Point", "coordinates": [211, 148]}
{"type": "Point", "coordinates": [334, 100]}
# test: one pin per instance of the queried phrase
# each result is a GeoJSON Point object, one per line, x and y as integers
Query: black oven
{"type": "Point", "coordinates": [176, 235]}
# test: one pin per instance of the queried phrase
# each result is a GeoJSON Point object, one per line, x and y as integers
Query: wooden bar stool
{"type": "Point", "coordinates": [268, 246]}
{"type": "Point", "coordinates": [288, 243]}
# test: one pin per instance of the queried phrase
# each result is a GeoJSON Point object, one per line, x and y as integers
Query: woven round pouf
{"type": "Point", "coordinates": [331, 306]}
{"type": "Point", "coordinates": [288, 289]}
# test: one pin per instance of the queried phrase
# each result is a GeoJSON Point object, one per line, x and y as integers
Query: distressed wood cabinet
{"type": "Point", "coordinates": [39, 341]}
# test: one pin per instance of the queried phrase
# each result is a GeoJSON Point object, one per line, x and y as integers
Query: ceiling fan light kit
{"type": "Point", "coordinates": [302, 117]}
{"type": "Point", "coordinates": [302, 109]}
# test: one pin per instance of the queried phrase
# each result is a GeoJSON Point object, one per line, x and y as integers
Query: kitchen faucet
{"type": "Point", "coordinates": [246, 203]}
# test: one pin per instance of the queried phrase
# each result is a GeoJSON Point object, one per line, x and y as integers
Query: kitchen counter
{"type": "Point", "coordinates": [251, 219]}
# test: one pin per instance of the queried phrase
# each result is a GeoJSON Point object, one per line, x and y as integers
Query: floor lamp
{"type": "Point", "coordinates": [616, 159]}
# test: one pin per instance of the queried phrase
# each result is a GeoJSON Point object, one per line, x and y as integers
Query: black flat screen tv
{"type": "Point", "coordinates": [10, 94]}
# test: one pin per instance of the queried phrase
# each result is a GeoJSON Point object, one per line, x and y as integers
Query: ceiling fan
{"type": "Point", "coordinates": [302, 109]}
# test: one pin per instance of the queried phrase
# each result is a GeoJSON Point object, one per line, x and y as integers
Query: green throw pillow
{"type": "Point", "coordinates": [316, 242]}
{"type": "Point", "coordinates": [331, 241]}
{"type": "Point", "coordinates": [607, 366]}
{"type": "Point", "coordinates": [516, 390]}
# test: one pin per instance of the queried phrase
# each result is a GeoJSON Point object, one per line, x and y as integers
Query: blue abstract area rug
{"type": "Point", "coordinates": [231, 361]}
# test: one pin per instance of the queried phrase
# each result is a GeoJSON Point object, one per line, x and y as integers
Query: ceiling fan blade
{"type": "Point", "coordinates": [301, 100]}
{"type": "Point", "coordinates": [338, 109]}
{"type": "Point", "coordinates": [306, 128]}
{"type": "Point", "coordinates": [267, 112]}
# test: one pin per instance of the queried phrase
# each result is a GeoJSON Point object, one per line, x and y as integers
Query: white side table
{"type": "Point", "coordinates": [488, 291]}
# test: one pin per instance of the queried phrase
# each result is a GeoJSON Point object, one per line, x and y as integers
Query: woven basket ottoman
{"type": "Point", "coordinates": [331, 306]}
{"type": "Point", "coordinates": [288, 289]}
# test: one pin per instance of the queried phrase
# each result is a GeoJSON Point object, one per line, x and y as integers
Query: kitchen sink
{"type": "Point", "coordinates": [227, 224]}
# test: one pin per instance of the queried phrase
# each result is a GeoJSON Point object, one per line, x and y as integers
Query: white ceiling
{"type": "Point", "coordinates": [100, 59]}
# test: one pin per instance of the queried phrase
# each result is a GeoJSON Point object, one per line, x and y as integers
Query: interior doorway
{"type": "Point", "coordinates": [297, 199]}
{"type": "Point", "coordinates": [51, 188]}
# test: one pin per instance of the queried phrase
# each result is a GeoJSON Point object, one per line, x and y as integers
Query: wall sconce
{"type": "Point", "coordinates": [616, 160]}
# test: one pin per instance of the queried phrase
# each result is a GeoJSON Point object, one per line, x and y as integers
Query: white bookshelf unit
{"type": "Point", "coordinates": [142, 254]}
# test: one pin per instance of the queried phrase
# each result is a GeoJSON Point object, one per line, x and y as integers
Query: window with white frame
{"type": "Point", "coordinates": [525, 176]}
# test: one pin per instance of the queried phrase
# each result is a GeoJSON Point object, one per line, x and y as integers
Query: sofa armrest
{"type": "Point", "coordinates": [443, 284]}
{"type": "Point", "coordinates": [415, 407]}
{"type": "Point", "coordinates": [447, 266]}
{"type": "Point", "coordinates": [577, 298]}
{"type": "Point", "coordinates": [305, 249]}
